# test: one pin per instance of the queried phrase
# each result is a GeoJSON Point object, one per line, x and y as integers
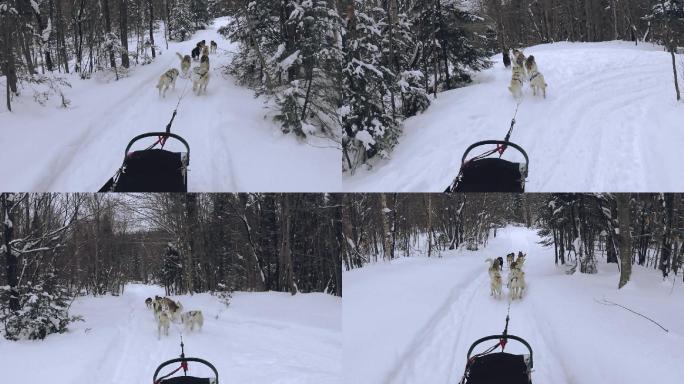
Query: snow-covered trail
{"type": "Point", "coordinates": [260, 338]}
{"type": "Point", "coordinates": [234, 147]}
{"type": "Point", "coordinates": [610, 122]}
{"type": "Point", "coordinates": [429, 311]}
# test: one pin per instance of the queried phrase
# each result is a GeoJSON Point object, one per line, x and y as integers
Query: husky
{"type": "Point", "coordinates": [519, 60]}
{"type": "Point", "coordinates": [506, 58]}
{"type": "Point", "coordinates": [510, 258]}
{"type": "Point", "coordinates": [516, 281]}
{"type": "Point", "coordinates": [520, 260]}
{"type": "Point", "coordinates": [171, 307]}
{"type": "Point", "coordinates": [200, 78]}
{"type": "Point", "coordinates": [186, 63]}
{"type": "Point", "coordinates": [190, 319]}
{"type": "Point", "coordinates": [197, 51]}
{"type": "Point", "coordinates": [163, 323]}
{"type": "Point", "coordinates": [537, 82]}
{"type": "Point", "coordinates": [494, 277]}
{"type": "Point", "coordinates": [167, 80]}
{"type": "Point", "coordinates": [214, 46]}
{"type": "Point", "coordinates": [205, 51]}
{"type": "Point", "coordinates": [148, 303]}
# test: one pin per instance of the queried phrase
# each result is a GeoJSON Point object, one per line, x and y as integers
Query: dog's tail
{"type": "Point", "coordinates": [179, 56]}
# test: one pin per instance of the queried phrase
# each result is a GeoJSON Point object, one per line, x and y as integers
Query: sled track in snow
{"type": "Point", "coordinates": [434, 348]}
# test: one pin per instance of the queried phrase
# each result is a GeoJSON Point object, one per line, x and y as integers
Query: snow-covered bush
{"type": "Point", "coordinates": [44, 309]}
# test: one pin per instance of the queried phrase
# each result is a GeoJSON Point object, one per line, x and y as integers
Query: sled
{"type": "Point", "coordinates": [152, 170]}
{"type": "Point", "coordinates": [484, 173]}
{"type": "Point", "coordinates": [498, 367]}
{"type": "Point", "coordinates": [184, 366]}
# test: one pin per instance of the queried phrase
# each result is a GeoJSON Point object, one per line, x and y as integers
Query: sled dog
{"type": "Point", "coordinates": [516, 86]}
{"type": "Point", "coordinates": [195, 53]}
{"type": "Point", "coordinates": [214, 46]}
{"type": "Point", "coordinates": [163, 323]}
{"type": "Point", "coordinates": [537, 82]}
{"type": "Point", "coordinates": [186, 63]}
{"type": "Point", "coordinates": [205, 51]}
{"type": "Point", "coordinates": [172, 308]}
{"type": "Point", "coordinates": [519, 60]}
{"type": "Point", "coordinates": [190, 319]}
{"type": "Point", "coordinates": [516, 282]}
{"type": "Point", "coordinates": [509, 259]}
{"type": "Point", "coordinates": [200, 76]}
{"type": "Point", "coordinates": [520, 260]}
{"type": "Point", "coordinates": [167, 80]}
{"type": "Point", "coordinates": [507, 58]}
{"type": "Point", "coordinates": [148, 302]}
{"type": "Point", "coordinates": [494, 277]}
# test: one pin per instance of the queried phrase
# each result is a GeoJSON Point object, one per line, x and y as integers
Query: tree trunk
{"type": "Point", "coordinates": [429, 222]}
{"type": "Point", "coordinates": [10, 258]}
{"type": "Point", "coordinates": [666, 244]}
{"type": "Point", "coordinates": [154, 53]}
{"type": "Point", "coordinates": [123, 25]}
{"type": "Point", "coordinates": [286, 273]}
{"type": "Point", "coordinates": [384, 221]}
{"type": "Point", "coordinates": [674, 70]}
{"type": "Point", "coordinates": [108, 29]}
{"type": "Point", "coordinates": [625, 238]}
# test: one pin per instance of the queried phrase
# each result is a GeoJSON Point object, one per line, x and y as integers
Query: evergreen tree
{"type": "Point", "coordinates": [182, 21]}
{"type": "Point", "coordinates": [369, 127]}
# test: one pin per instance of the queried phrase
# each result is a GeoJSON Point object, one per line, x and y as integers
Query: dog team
{"type": "Point", "coordinates": [199, 75]}
{"type": "Point", "coordinates": [525, 69]}
{"type": "Point", "coordinates": [167, 311]}
{"type": "Point", "coordinates": [516, 276]}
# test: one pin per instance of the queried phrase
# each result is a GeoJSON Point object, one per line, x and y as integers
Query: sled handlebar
{"type": "Point", "coordinates": [499, 337]}
{"type": "Point", "coordinates": [496, 142]}
{"type": "Point", "coordinates": [185, 360]}
{"type": "Point", "coordinates": [157, 134]}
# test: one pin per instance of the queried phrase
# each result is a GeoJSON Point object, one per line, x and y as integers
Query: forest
{"type": "Point", "coordinates": [625, 229]}
{"type": "Point", "coordinates": [56, 247]}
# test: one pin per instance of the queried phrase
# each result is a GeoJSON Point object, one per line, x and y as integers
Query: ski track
{"type": "Point", "coordinates": [606, 125]}
{"type": "Point", "coordinates": [438, 353]}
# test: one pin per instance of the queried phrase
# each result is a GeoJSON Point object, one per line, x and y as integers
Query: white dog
{"type": "Point", "coordinates": [186, 63]}
{"type": "Point", "coordinates": [167, 80]}
{"type": "Point", "coordinates": [191, 319]}
{"type": "Point", "coordinates": [495, 277]}
{"type": "Point", "coordinates": [200, 76]}
{"type": "Point", "coordinates": [537, 82]}
{"type": "Point", "coordinates": [163, 323]}
{"type": "Point", "coordinates": [516, 282]}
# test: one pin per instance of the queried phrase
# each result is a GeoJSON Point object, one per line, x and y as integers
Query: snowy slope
{"type": "Point", "coordinates": [413, 320]}
{"type": "Point", "coordinates": [234, 147]}
{"type": "Point", "coordinates": [261, 338]}
{"type": "Point", "coordinates": [610, 123]}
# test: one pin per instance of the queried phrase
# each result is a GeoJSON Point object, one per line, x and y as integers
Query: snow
{"type": "Point", "coordinates": [235, 146]}
{"type": "Point", "coordinates": [413, 320]}
{"type": "Point", "coordinates": [261, 338]}
{"type": "Point", "coordinates": [610, 122]}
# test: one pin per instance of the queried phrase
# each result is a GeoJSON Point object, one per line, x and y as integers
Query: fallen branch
{"type": "Point", "coordinates": [608, 302]}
